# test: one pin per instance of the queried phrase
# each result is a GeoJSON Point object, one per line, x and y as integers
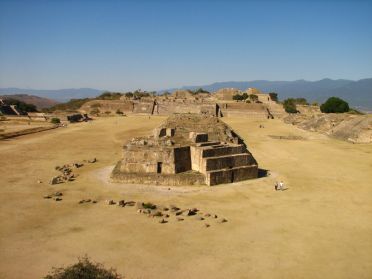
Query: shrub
{"type": "Point", "coordinates": [200, 90]}
{"type": "Point", "coordinates": [253, 97]}
{"type": "Point", "coordinates": [118, 111]}
{"type": "Point", "coordinates": [149, 205]}
{"type": "Point", "coordinates": [315, 104]}
{"type": "Point", "coordinates": [84, 269]}
{"type": "Point", "coordinates": [334, 105]}
{"type": "Point", "coordinates": [238, 97]}
{"type": "Point", "coordinates": [289, 105]}
{"type": "Point", "coordinates": [55, 120]}
{"type": "Point", "coordinates": [245, 96]}
{"type": "Point", "coordinates": [109, 96]}
{"type": "Point", "coordinates": [107, 112]}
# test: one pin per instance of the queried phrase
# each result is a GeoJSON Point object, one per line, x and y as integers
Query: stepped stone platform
{"type": "Point", "coordinates": [187, 149]}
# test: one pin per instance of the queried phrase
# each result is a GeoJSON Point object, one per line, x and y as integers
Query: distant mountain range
{"type": "Point", "coordinates": [39, 102]}
{"type": "Point", "coordinates": [60, 95]}
{"type": "Point", "coordinates": [357, 93]}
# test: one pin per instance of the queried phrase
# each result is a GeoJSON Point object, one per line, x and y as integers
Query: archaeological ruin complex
{"type": "Point", "coordinates": [221, 103]}
{"type": "Point", "coordinates": [187, 149]}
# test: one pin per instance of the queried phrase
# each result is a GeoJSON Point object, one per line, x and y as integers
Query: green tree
{"type": "Point", "coordinates": [290, 105]}
{"type": "Point", "coordinates": [201, 90]}
{"type": "Point", "coordinates": [245, 96]}
{"type": "Point", "coordinates": [253, 97]}
{"type": "Point", "coordinates": [109, 96]}
{"type": "Point", "coordinates": [238, 97]}
{"type": "Point", "coordinates": [334, 105]}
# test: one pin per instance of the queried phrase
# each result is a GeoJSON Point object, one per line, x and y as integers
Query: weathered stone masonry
{"type": "Point", "coordinates": [188, 149]}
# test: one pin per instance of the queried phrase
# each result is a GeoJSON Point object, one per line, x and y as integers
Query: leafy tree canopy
{"type": "Point", "coordinates": [290, 105]}
{"type": "Point", "coordinates": [334, 105]}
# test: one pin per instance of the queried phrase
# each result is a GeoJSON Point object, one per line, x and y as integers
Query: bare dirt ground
{"type": "Point", "coordinates": [321, 227]}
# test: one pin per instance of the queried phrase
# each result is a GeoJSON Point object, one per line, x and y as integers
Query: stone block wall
{"type": "Point", "coordinates": [228, 161]}
{"type": "Point", "coordinates": [182, 159]}
{"type": "Point", "coordinates": [145, 159]}
{"type": "Point", "coordinates": [231, 175]}
{"type": "Point", "coordinates": [143, 107]}
{"type": "Point", "coordinates": [108, 105]}
{"type": "Point", "coordinates": [186, 144]}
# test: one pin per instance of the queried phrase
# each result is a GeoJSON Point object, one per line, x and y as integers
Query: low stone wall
{"type": "Point", "coordinates": [180, 179]}
{"type": "Point", "coordinates": [251, 110]}
{"type": "Point", "coordinates": [108, 105]}
{"type": "Point", "coordinates": [143, 107]}
{"type": "Point", "coordinates": [229, 161]}
{"type": "Point", "coordinates": [144, 159]}
{"type": "Point", "coordinates": [231, 175]}
{"type": "Point", "coordinates": [26, 132]}
{"type": "Point", "coordinates": [165, 108]}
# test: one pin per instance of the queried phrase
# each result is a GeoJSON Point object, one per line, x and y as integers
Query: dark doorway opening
{"type": "Point", "coordinates": [160, 165]}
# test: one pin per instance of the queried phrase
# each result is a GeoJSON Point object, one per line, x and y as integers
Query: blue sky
{"type": "Point", "coordinates": [126, 45]}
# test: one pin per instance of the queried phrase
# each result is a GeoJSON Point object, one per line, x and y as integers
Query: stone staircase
{"type": "Point", "coordinates": [223, 162]}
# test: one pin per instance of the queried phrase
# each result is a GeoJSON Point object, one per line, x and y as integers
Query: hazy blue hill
{"type": "Point", "coordinates": [61, 95]}
{"type": "Point", "coordinates": [358, 93]}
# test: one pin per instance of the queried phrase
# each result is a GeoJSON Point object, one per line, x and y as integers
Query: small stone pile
{"type": "Point", "coordinates": [57, 196]}
{"type": "Point", "coordinates": [67, 173]}
{"type": "Point", "coordinates": [87, 201]}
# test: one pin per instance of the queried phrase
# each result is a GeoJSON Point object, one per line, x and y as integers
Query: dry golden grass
{"type": "Point", "coordinates": [321, 227]}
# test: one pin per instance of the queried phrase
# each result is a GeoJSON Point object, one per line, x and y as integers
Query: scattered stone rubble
{"type": "Point", "coordinates": [67, 173]}
{"type": "Point", "coordinates": [55, 196]}
{"type": "Point", "coordinates": [165, 213]}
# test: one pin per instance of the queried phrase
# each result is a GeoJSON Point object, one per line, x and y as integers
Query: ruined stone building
{"type": "Point", "coordinates": [182, 101]}
{"type": "Point", "coordinates": [187, 149]}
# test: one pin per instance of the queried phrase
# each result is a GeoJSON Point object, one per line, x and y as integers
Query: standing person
{"type": "Point", "coordinates": [276, 186]}
{"type": "Point", "coordinates": [281, 185]}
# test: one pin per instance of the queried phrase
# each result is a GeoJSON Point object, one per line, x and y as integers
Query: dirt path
{"type": "Point", "coordinates": [319, 228]}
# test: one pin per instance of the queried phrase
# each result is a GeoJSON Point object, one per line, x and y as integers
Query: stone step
{"type": "Point", "coordinates": [225, 162]}
{"type": "Point", "coordinates": [231, 175]}
{"type": "Point", "coordinates": [223, 150]}
{"type": "Point", "coordinates": [208, 143]}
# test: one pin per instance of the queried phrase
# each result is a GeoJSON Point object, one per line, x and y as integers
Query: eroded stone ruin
{"type": "Point", "coordinates": [221, 103]}
{"type": "Point", "coordinates": [187, 149]}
